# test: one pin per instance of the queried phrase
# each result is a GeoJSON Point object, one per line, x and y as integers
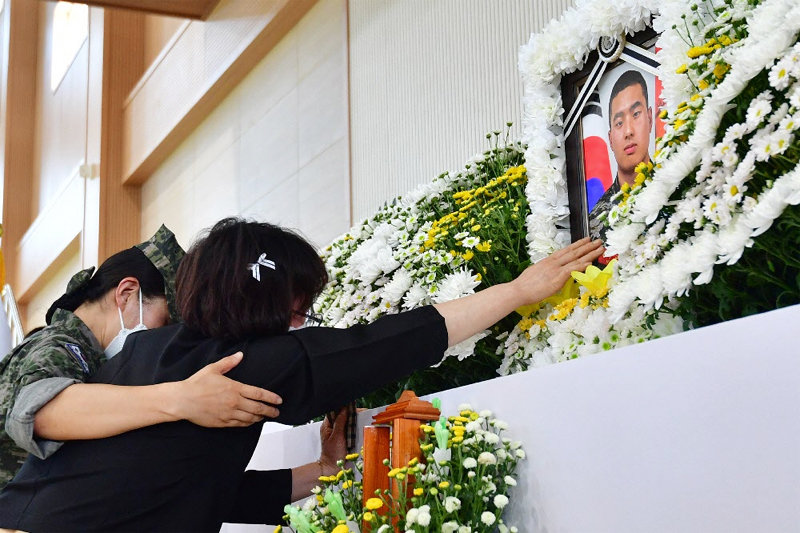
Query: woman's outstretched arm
{"type": "Point", "coordinates": [471, 314]}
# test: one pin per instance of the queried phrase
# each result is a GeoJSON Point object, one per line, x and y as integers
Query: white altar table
{"type": "Point", "coordinates": [697, 432]}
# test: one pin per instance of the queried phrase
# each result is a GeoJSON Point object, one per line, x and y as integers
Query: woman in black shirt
{"type": "Point", "coordinates": [241, 287]}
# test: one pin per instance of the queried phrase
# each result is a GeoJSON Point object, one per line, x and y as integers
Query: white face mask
{"type": "Point", "coordinates": [117, 342]}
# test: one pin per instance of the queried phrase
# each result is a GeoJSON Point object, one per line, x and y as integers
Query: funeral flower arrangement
{"type": "Point", "coordinates": [716, 210]}
{"type": "Point", "coordinates": [462, 486]}
{"type": "Point", "coordinates": [725, 170]}
{"type": "Point", "coordinates": [460, 232]}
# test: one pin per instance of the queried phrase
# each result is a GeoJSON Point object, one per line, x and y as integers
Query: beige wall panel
{"type": "Point", "coordinates": [428, 80]}
{"type": "Point", "coordinates": [279, 138]}
{"type": "Point", "coordinates": [58, 275]}
{"type": "Point", "coordinates": [47, 240]}
{"type": "Point", "coordinates": [159, 32]}
{"type": "Point", "coordinates": [61, 116]}
{"type": "Point", "coordinates": [204, 62]}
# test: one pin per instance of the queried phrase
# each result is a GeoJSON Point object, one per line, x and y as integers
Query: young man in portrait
{"type": "Point", "coordinates": [630, 126]}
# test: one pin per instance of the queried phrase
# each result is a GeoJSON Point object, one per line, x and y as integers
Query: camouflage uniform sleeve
{"type": "Point", "coordinates": [19, 423]}
{"type": "Point", "coordinates": [56, 368]}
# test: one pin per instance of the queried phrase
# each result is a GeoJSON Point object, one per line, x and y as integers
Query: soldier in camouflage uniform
{"type": "Point", "coordinates": [630, 126]}
{"type": "Point", "coordinates": [63, 353]}
{"type": "Point", "coordinates": [599, 213]}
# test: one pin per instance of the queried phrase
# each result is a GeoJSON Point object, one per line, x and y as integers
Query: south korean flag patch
{"type": "Point", "coordinates": [75, 351]}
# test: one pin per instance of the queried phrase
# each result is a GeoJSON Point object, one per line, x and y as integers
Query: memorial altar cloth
{"type": "Point", "coordinates": [696, 432]}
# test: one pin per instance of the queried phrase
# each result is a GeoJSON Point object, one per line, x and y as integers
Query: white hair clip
{"type": "Point", "coordinates": [256, 267]}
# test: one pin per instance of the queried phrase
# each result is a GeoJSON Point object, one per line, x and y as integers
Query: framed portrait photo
{"type": "Point", "coordinates": [612, 120]}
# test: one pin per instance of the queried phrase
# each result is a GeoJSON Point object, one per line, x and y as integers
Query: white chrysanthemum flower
{"type": "Point", "coordinates": [794, 96]}
{"type": "Point", "coordinates": [469, 463]}
{"type": "Point", "coordinates": [500, 501]}
{"type": "Point", "coordinates": [455, 285]}
{"type": "Point", "coordinates": [779, 75]}
{"type": "Point", "coordinates": [758, 110]}
{"type": "Point", "coordinates": [716, 210]}
{"type": "Point", "coordinates": [411, 516]}
{"type": "Point", "coordinates": [487, 458]}
{"type": "Point", "coordinates": [762, 145]}
{"type": "Point", "coordinates": [424, 516]}
{"type": "Point", "coordinates": [472, 426]}
{"type": "Point", "coordinates": [452, 504]}
{"type": "Point", "coordinates": [465, 348]}
{"type": "Point", "coordinates": [488, 518]}
{"type": "Point", "coordinates": [394, 290]}
{"type": "Point", "coordinates": [735, 132]}
{"type": "Point", "coordinates": [450, 527]}
{"type": "Point", "coordinates": [510, 481]}
{"type": "Point", "coordinates": [491, 438]}
{"type": "Point", "coordinates": [500, 424]}
{"type": "Point", "coordinates": [781, 140]}
{"type": "Point", "coordinates": [470, 241]}
{"type": "Point", "coordinates": [464, 529]}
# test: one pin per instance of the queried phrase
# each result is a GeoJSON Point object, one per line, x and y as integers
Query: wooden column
{"type": "Point", "coordinates": [405, 417]}
{"type": "Point", "coordinates": [21, 19]}
{"type": "Point", "coordinates": [376, 449]}
{"type": "Point", "coordinates": [123, 64]}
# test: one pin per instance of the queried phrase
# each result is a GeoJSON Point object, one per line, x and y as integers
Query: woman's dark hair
{"type": "Point", "coordinates": [218, 294]}
{"type": "Point", "coordinates": [127, 263]}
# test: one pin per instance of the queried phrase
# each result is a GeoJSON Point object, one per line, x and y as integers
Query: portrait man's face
{"type": "Point", "coordinates": [630, 127]}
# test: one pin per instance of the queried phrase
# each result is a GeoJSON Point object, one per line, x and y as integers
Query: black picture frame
{"type": "Point", "coordinates": [636, 50]}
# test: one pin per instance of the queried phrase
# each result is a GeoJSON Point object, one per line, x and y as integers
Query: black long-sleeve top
{"type": "Point", "coordinates": [182, 477]}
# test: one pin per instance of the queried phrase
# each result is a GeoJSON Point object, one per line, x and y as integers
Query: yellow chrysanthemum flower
{"type": "Point", "coordinates": [469, 254]}
{"type": "Point", "coordinates": [394, 471]}
{"type": "Point", "coordinates": [681, 69]}
{"type": "Point", "coordinates": [444, 484]}
{"type": "Point", "coordinates": [725, 40]}
{"type": "Point", "coordinates": [563, 309]}
{"type": "Point", "coordinates": [351, 456]}
{"type": "Point", "coordinates": [347, 484]}
{"type": "Point", "coordinates": [720, 70]}
{"type": "Point", "coordinates": [374, 503]}
{"type": "Point", "coordinates": [368, 516]}
{"type": "Point", "coordinates": [697, 51]}
{"type": "Point", "coordinates": [703, 85]}
{"type": "Point", "coordinates": [525, 324]}
{"type": "Point", "coordinates": [483, 246]}
{"type": "Point", "coordinates": [341, 528]}
{"type": "Point", "coordinates": [419, 491]}
{"type": "Point", "coordinates": [584, 301]}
